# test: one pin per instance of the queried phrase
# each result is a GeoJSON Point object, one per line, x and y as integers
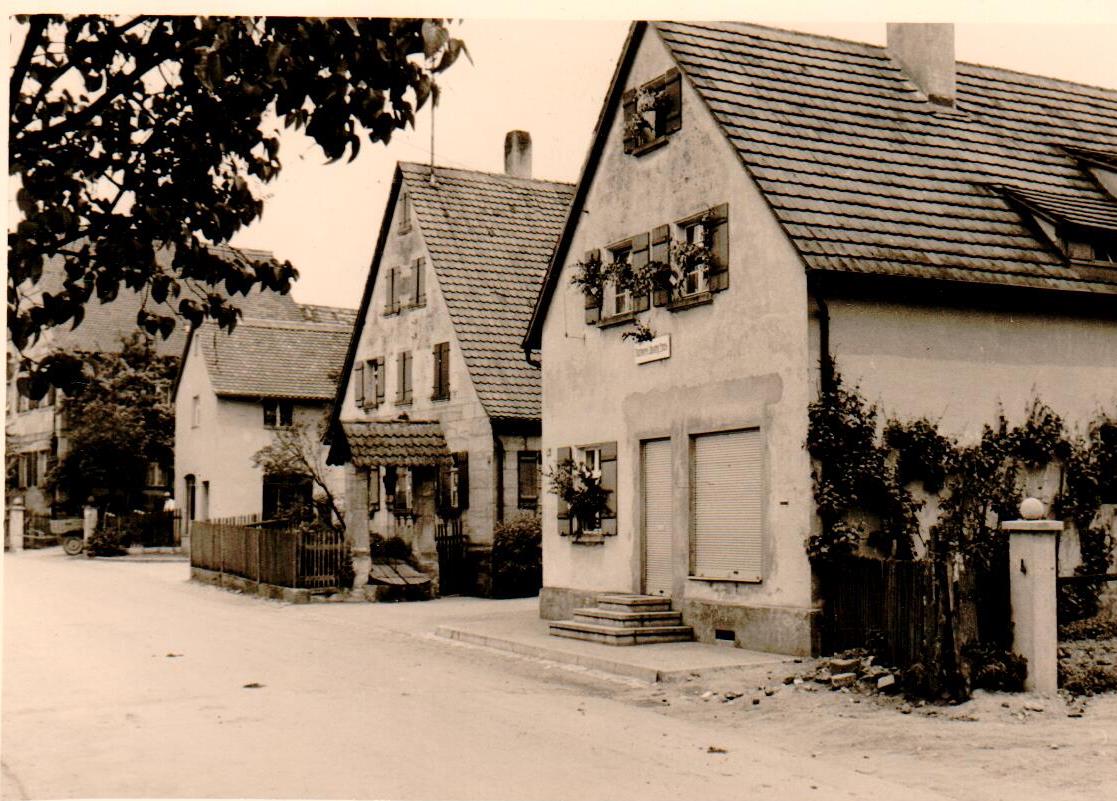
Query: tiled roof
{"type": "Point", "coordinates": [1083, 211]}
{"type": "Point", "coordinates": [490, 238]}
{"type": "Point", "coordinates": [106, 324]}
{"type": "Point", "coordinates": [866, 175]}
{"type": "Point", "coordinates": [275, 358]}
{"type": "Point", "coordinates": [327, 314]}
{"type": "Point", "coordinates": [398, 442]}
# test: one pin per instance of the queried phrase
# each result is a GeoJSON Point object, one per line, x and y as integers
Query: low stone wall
{"type": "Point", "coordinates": [289, 594]}
{"type": "Point", "coordinates": [559, 603]}
{"type": "Point", "coordinates": [772, 629]}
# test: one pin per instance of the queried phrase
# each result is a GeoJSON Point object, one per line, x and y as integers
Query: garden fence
{"type": "Point", "coordinates": [266, 553]}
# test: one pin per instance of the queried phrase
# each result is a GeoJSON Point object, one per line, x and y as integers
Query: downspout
{"type": "Point", "coordinates": [825, 359]}
{"type": "Point", "coordinates": [531, 361]}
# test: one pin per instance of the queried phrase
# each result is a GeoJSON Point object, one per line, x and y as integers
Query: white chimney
{"type": "Point", "coordinates": [517, 154]}
{"type": "Point", "coordinates": [925, 51]}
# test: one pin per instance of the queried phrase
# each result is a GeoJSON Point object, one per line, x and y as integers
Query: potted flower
{"type": "Point", "coordinates": [589, 276]}
{"type": "Point", "coordinates": [580, 488]}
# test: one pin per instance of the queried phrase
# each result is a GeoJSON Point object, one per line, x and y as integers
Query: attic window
{"type": "Point", "coordinates": [652, 112]}
{"type": "Point", "coordinates": [1101, 249]}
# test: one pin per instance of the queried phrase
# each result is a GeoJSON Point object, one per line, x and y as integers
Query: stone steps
{"type": "Point", "coordinates": [625, 620]}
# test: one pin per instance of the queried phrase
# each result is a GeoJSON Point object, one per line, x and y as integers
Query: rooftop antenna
{"type": "Point", "coordinates": [434, 102]}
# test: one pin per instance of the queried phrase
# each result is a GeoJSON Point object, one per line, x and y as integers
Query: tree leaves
{"type": "Point", "coordinates": [157, 152]}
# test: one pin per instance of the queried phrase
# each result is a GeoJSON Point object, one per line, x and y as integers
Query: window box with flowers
{"type": "Point", "coordinates": [652, 112]}
{"type": "Point", "coordinates": [584, 486]}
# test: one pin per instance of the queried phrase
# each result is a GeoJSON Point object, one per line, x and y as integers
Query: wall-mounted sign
{"type": "Point", "coordinates": [653, 351]}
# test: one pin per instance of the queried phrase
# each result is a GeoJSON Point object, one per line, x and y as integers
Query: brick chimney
{"type": "Point", "coordinates": [517, 154]}
{"type": "Point", "coordinates": [925, 51]}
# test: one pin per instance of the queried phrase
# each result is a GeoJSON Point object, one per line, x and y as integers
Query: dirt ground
{"type": "Point", "coordinates": [127, 680]}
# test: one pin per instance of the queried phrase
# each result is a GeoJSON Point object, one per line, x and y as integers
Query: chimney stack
{"type": "Point", "coordinates": [517, 154]}
{"type": "Point", "coordinates": [925, 51]}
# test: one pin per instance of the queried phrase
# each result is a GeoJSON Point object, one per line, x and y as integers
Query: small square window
{"type": "Point", "coordinates": [279, 413]}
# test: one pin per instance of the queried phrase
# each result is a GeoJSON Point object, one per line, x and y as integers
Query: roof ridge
{"type": "Point", "coordinates": [305, 325]}
{"type": "Point", "coordinates": [498, 175]}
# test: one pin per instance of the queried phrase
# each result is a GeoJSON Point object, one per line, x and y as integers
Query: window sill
{"type": "Point", "coordinates": [648, 147]}
{"type": "Point", "coordinates": [726, 580]}
{"type": "Point", "coordinates": [617, 319]}
{"type": "Point", "coordinates": [587, 539]}
{"type": "Point", "coordinates": [279, 428]}
{"type": "Point", "coordinates": [403, 401]}
{"type": "Point", "coordinates": [439, 398]}
{"type": "Point", "coordinates": [419, 304]}
{"type": "Point", "coordinates": [391, 311]}
{"type": "Point", "coordinates": [690, 301]}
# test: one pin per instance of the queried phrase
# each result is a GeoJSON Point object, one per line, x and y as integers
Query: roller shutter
{"type": "Point", "coordinates": [726, 506]}
{"type": "Point", "coordinates": [657, 517]}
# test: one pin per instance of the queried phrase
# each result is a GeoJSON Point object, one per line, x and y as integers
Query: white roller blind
{"type": "Point", "coordinates": [657, 517]}
{"type": "Point", "coordinates": [726, 504]}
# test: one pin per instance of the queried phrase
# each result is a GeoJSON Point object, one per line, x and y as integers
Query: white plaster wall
{"type": "Point", "coordinates": [740, 361]}
{"type": "Point", "coordinates": [465, 423]}
{"type": "Point", "coordinates": [962, 366]}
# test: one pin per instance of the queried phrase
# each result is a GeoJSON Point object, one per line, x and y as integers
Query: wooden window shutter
{"type": "Point", "coordinates": [661, 253]}
{"type": "Point", "coordinates": [420, 280]}
{"type": "Point", "coordinates": [563, 513]}
{"type": "Point", "coordinates": [639, 260]}
{"type": "Point", "coordinates": [373, 490]}
{"type": "Point", "coordinates": [403, 293]}
{"type": "Point", "coordinates": [461, 459]}
{"type": "Point", "coordinates": [391, 280]}
{"type": "Point", "coordinates": [359, 384]}
{"type": "Point", "coordinates": [442, 490]}
{"type": "Point", "coordinates": [719, 270]}
{"type": "Point", "coordinates": [407, 375]}
{"type": "Point", "coordinates": [628, 103]}
{"type": "Point", "coordinates": [673, 91]}
{"type": "Point", "coordinates": [609, 483]}
{"type": "Point", "coordinates": [378, 380]}
{"type": "Point", "coordinates": [593, 303]}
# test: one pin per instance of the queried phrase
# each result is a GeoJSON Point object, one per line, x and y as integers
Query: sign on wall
{"type": "Point", "coordinates": [654, 350]}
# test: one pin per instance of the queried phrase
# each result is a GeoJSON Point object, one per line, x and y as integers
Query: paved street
{"type": "Point", "coordinates": [125, 680]}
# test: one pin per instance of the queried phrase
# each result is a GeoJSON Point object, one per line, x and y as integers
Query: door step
{"type": "Point", "coordinates": [626, 620]}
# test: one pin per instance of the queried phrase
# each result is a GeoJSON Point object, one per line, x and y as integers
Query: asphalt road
{"type": "Point", "coordinates": [127, 680]}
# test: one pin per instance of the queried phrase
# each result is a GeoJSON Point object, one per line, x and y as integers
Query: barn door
{"type": "Point", "coordinates": [656, 461]}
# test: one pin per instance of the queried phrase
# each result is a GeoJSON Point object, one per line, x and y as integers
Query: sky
{"type": "Point", "coordinates": [544, 68]}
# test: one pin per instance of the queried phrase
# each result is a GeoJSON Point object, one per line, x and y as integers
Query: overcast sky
{"type": "Point", "coordinates": [548, 76]}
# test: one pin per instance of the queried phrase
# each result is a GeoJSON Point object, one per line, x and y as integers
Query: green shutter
{"type": "Point", "coordinates": [359, 385]}
{"type": "Point", "coordinates": [420, 282]}
{"type": "Point", "coordinates": [609, 483]}
{"type": "Point", "coordinates": [719, 269]}
{"type": "Point", "coordinates": [628, 103]}
{"type": "Point", "coordinates": [661, 253]}
{"type": "Point", "coordinates": [673, 91]}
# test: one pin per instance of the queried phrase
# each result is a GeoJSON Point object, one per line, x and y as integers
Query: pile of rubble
{"type": "Point", "coordinates": [852, 670]}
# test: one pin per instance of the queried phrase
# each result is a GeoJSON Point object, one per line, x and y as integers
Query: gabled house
{"type": "Point", "coordinates": [236, 391]}
{"type": "Point", "coordinates": [941, 232]}
{"type": "Point", "coordinates": [35, 431]}
{"type": "Point", "coordinates": [437, 414]}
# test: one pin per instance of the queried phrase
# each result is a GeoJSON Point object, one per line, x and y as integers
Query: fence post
{"type": "Point", "coordinates": [1031, 569]}
{"type": "Point", "coordinates": [88, 522]}
{"type": "Point", "coordinates": [16, 520]}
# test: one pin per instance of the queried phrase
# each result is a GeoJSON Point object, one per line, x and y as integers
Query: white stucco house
{"type": "Point", "coordinates": [942, 232]}
{"type": "Point", "coordinates": [235, 391]}
{"type": "Point", "coordinates": [436, 419]}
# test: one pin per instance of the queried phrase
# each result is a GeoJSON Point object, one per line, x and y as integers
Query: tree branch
{"type": "Point", "coordinates": [34, 32]}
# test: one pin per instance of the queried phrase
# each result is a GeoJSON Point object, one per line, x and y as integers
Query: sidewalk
{"type": "Point", "coordinates": [521, 631]}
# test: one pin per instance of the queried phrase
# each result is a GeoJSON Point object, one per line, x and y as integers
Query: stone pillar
{"type": "Point", "coordinates": [88, 522]}
{"type": "Point", "coordinates": [1031, 566]}
{"type": "Point", "coordinates": [356, 522]}
{"type": "Point", "coordinates": [16, 525]}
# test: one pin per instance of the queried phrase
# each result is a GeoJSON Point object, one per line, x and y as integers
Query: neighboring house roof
{"type": "Point", "coordinates": [398, 442]}
{"type": "Point", "coordinates": [866, 175]}
{"type": "Point", "coordinates": [327, 314]}
{"type": "Point", "coordinates": [105, 325]}
{"type": "Point", "coordinates": [489, 238]}
{"type": "Point", "coordinates": [290, 359]}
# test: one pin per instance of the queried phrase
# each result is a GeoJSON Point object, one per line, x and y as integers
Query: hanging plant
{"type": "Point", "coordinates": [580, 488]}
{"type": "Point", "coordinates": [589, 276]}
{"type": "Point", "coordinates": [640, 332]}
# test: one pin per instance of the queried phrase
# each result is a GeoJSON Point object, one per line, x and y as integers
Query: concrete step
{"type": "Point", "coordinates": [634, 603]}
{"type": "Point", "coordinates": [617, 635]}
{"type": "Point", "coordinates": [613, 617]}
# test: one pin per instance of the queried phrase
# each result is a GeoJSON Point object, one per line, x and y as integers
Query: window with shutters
{"type": "Point", "coordinates": [700, 257]}
{"type": "Point", "coordinates": [403, 377]}
{"type": "Point", "coordinates": [419, 282]}
{"type": "Point", "coordinates": [391, 291]}
{"type": "Point", "coordinates": [618, 298]}
{"type": "Point", "coordinates": [652, 112]}
{"type": "Point", "coordinates": [529, 479]}
{"type": "Point", "coordinates": [726, 506]}
{"type": "Point", "coordinates": [368, 380]}
{"type": "Point", "coordinates": [441, 389]}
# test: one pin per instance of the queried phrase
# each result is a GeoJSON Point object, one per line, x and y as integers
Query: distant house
{"type": "Point", "coordinates": [946, 234]}
{"type": "Point", "coordinates": [35, 431]}
{"type": "Point", "coordinates": [437, 415]}
{"type": "Point", "coordinates": [235, 391]}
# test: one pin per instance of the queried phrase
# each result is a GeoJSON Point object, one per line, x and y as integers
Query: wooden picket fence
{"type": "Point", "coordinates": [269, 553]}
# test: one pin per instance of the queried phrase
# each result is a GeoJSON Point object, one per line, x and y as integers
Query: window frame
{"type": "Point", "coordinates": [440, 355]}
{"type": "Point", "coordinates": [280, 410]}
{"type": "Point", "coordinates": [391, 289]}
{"type": "Point", "coordinates": [534, 459]}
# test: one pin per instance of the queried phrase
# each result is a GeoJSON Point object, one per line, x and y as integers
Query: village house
{"type": "Point", "coordinates": [235, 392]}
{"type": "Point", "coordinates": [943, 234]}
{"type": "Point", "coordinates": [35, 431]}
{"type": "Point", "coordinates": [437, 414]}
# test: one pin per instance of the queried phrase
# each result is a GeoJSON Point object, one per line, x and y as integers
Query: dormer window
{"type": "Point", "coordinates": [1083, 226]}
{"type": "Point", "coordinates": [652, 112]}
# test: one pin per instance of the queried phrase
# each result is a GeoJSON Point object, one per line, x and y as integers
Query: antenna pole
{"type": "Point", "coordinates": [434, 102]}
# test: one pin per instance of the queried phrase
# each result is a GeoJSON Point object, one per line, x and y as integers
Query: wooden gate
{"type": "Point", "coordinates": [452, 545]}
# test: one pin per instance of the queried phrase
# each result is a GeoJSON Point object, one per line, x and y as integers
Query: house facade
{"type": "Point", "coordinates": [437, 415]}
{"type": "Point", "coordinates": [36, 430]}
{"type": "Point", "coordinates": [236, 393]}
{"type": "Point", "coordinates": [859, 207]}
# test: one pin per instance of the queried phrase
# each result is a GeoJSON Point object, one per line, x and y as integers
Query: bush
{"type": "Point", "coordinates": [994, 669]}
{"type": "Point", "coordinates": [105, 542]}
{"type": "Point", "coordinates": [381, 550]}
{"type": "Point", "coordinates": [517, 557]}
{"type": "Point", "coordinates": [346, 574]}
{"type": "Point", "coordinates": [1101, 627]}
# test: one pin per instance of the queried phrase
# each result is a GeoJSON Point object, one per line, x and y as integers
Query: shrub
{"type": "Point", "coordinates": [346, 575]}
{"type": "Point", "coordinates": [994, 669]}
{"type": "Point", "coordinates": [1095, 628]}
{"type": "Point", "coordinates": [391, 548]}
{"type": "Point", "coordinates": [105, 542]}
{"type": "Point", "coordinates": [517, 557]}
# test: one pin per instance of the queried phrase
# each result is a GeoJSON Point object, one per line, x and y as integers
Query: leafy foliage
{"type": "Point", "coordinates": [580, 488]}
{"type": "Point", "coordinates": [996, 669]}
{"type": "Point", "coordinates": [128, 136]}
{"type": "Point", "coordinates": [118, 419]}
{"type": "Point", "coordinates": [382, 550]}
{"type": "Point", "coordinates": [641, 332]}
{"type": "Point", "coordinates": [518, 557]}
{"type": "Point", "coordinates": [105, 542]}
{"type": "Point", "coordinates": [589, 276]}
{"type": "Point", "coordinates": [297, 451]}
